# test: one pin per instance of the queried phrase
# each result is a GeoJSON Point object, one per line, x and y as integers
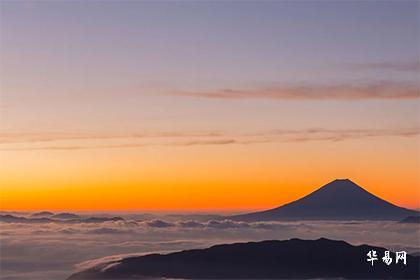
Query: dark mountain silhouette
{"type": "Point", "coordinates": [101, 219]}
{"type": "Point", "coordinates": [195, 217]}
{"type": "Point", "coordinates": [411, 220]}
{"type": "Point", "coordinates": [292, 258]}
{"type": "Point", "coordinates": [16, 219]}
{"type": "Point", "coordinates": [43, 214]}
{"type": "Point", "coordinates": [337, 200]}
{"type": "Point", "coordinates": [65, 216]}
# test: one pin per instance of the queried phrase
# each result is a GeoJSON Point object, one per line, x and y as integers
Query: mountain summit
{"type": "Point", "coordinates": [341, 199]}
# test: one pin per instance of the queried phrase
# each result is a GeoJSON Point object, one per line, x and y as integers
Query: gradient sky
{"type": "Point", "coordinates": [127, 105]}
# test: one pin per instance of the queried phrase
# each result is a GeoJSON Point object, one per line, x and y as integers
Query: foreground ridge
{"type": "Point", "coordinates": [294, 258]}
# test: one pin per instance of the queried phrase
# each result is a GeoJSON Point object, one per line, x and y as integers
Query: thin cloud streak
{"type": "Point", "coordinates": [319, 134]}
{"type": "Point", "coordinates": [379, 90]}
{"type": "Point", "coordinates": [272, 136]}
{"type": "Point", "coordinates": [26, 137]}
{"type": "Point", "coordinates": [408, 66]}
{"type": "Point", "coordinates": [125, 146]}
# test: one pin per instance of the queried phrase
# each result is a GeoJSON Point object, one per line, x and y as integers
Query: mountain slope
{"type": "Point", "coordinates": [411, 220]}
{"type": "Point", "coordinates": [292, 258]}
{"type": "Point", "coordinates": [339, 199]}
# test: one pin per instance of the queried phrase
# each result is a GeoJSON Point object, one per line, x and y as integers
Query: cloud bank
{"type": "Point", "coordinates": [54, 250]}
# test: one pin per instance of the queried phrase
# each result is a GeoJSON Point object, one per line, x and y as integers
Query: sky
{"type": "Point", "coordinates": [204, 106]}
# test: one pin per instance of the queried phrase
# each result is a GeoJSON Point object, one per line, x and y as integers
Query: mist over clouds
{"type": "Point", "coordinates": [55, 250]}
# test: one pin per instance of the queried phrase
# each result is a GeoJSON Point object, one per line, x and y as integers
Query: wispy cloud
{"type": "Point", "coordinates": [198, 139]}
{"type": "Point", "coordinates": [356, 91]}
{"type": "Point", "coordinates": [321, 134]}
{"type": "Point", "coordinates": [128, 145]}
{"type": "Point", "coordinates": [407, 66]}
{"type": "Point", "coordinates": [34, 137]}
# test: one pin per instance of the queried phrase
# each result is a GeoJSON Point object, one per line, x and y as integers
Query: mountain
{"type": "Point", "coordinates": [65, 216]}
{"type": "Point", "coordinates": [411, 220]}
{"type": "Point", "coordinates": [43, 214]}
{"type": "Point", "coordinates": [195, 217]}
{"type": "Point", "coordinates": [337, 200]}
{"type": "Point", "coordinates": [23, 220]}
{"type": "Point", "coordinates": [100, 219]}
{"type": "Point", "coordinates": [16, 219]}
{"type": "Point", "coordinates": [294, 258]}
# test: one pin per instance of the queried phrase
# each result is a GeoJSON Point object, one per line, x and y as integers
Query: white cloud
{"type": "Point", "coordinates": [52, 250]}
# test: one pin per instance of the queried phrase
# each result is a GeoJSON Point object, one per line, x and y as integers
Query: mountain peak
{"type": "Point", "coordinates": [339, 188]}
{"type": "Point", "coordinates": [343, 182]}
{"type": "Point", "coordinates": [342, 186]}
{"type": "Point", "coordinates": [337, 200]}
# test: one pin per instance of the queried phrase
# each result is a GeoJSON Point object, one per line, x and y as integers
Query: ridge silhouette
{"type": "Point", "coordinates": [272, 259]}
{"type": "Point", "coordinates": [341, 199]}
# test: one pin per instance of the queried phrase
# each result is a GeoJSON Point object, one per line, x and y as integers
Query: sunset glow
{"type": "Point", "coordinates": [99, 111]}
{"type": "Point", "coordinates": [208, 177]}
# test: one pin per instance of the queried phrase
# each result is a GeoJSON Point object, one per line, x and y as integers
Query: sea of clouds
{"type": "Point", "coordinates": [54, 250]}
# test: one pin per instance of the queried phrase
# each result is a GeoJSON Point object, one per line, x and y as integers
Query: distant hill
{"type": "Point", "coordinates": [101, 219]}
{"type": "Point", "coordinates": [65, 216]}
{"type": "Point", "coordinates": [411, 220]}
{"type": "Point", "coordinates": [43, 214]}
{"type": "Point", "coordinates": [23, 220]}
{"type": "Point", "coordinates": [337, 200]}
{"type": "Point", "coordinates": [195, 217]}
{"type": "Point", "coordinates": [292, 258]}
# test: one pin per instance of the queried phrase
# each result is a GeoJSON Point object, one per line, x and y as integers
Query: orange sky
{"type": "Point", "coordinates": [205, 177]}
{"type": "Point", "coordinates": [176, 105]}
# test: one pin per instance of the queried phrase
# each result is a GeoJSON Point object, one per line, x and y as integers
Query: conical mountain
{"type": "Point", "coordinates": [340, 199]}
